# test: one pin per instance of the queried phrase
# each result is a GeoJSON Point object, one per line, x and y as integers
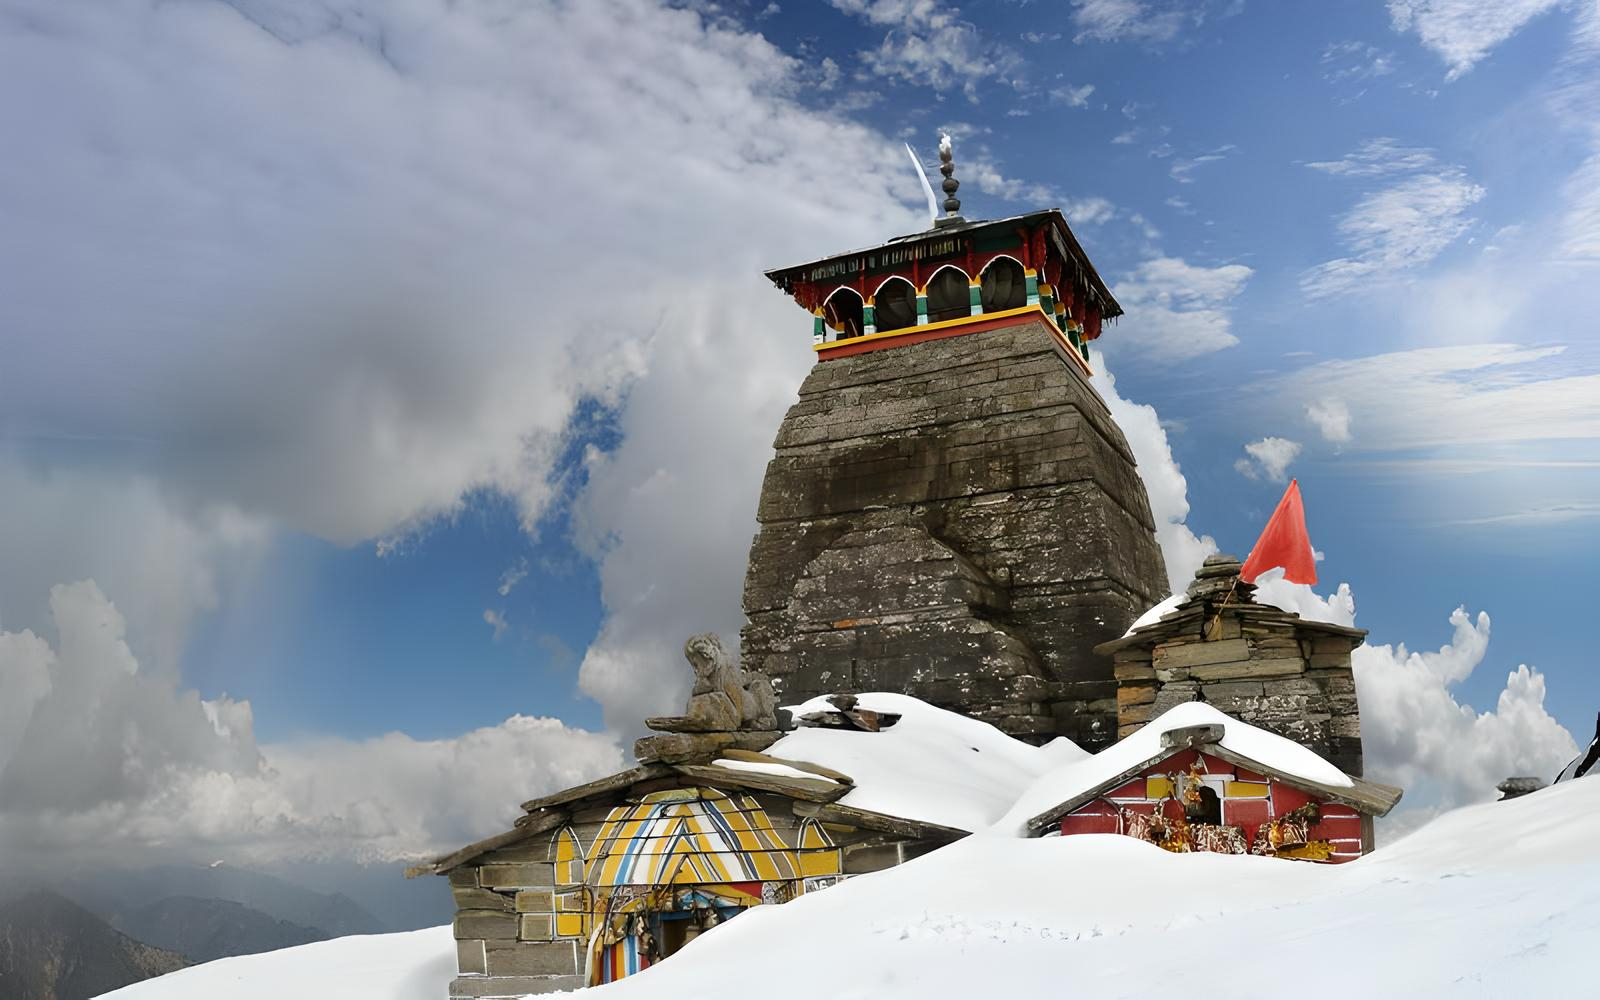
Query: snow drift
{"type": "Point", "coordinates": [1501, 899]}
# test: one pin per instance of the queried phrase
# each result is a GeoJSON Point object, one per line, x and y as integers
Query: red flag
{"type": "Point", "coordinates": [1284, 543]}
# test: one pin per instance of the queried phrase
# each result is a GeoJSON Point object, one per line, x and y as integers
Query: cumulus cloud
{"type": "Point", "coordinates": [101, 758]}
{"type": "Point", "coordinates": [1462, 32]}
{"type": "Point", "coordinates": [1415, 731]}
{"type": "Point", "coordinates": [929, 42]}
{"type": "Point", "coordinates": [1177, 310]}
{"type": "Point", "coordinates": [1417, 734]}
{"type": "Point", "coordinates": [1332, 417]}
{"type": "Point", "coordinates": [1164, 481]}
{"type": "Point", "coordinates": [386, 323]}
{"type": "Point", "coordinates": [1268, 459]}
{"type": "Point", "coordinates": [376, 263]}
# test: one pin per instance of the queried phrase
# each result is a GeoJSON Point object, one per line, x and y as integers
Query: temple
{"type": "Point", "coordinates": [950, 511]}
{"type": "Point", "coordinates": [953, 567]}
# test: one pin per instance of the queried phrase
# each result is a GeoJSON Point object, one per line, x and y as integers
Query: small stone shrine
{"type": "Point", "coordinates": [1255, 662]}
{"type": "Point", "coordinates": [597, 882]}
{"type": "Point", "coordinates": [951, 511]}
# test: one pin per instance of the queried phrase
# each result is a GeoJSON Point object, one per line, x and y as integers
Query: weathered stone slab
{"type": "Point", "coordinates": [489, 925]}
{"type": "Point", "coordinates": [481, 899]}
{"type": "Point", "coordinates": [1247, 669]}
{"type": "Point", "coordinates": [536, 927]}
{"type": "Point", "coordinates": [507, 987]}
{"type": "Point", "coordinates": [1190, 654]}
{"type": "Point", "coordinates": [535, 901]}
{"type": "Point", "coordinates": [470, 957]}
{"type": "Point", "coordinates": [517, 875]}
{"type": "Point", "coordinates": [529, 958]}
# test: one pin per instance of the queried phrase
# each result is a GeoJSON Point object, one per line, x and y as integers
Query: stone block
{"type": "Point", "coordinates": [1232, 691]}
{"type": "Point", "coordinates": [507, 987]}
{"type": "Point", "coordinates": [1134, 671]}
{"type": "Point", "coordinates": [1190, 654]}
{"type": "Point", "coordinates": [535, 901]}
{"type": "Point", "coordinates": [518, 875]}
{"type": "Point", "coordinates": [1247, 669]}
{"type": "Point", "coordinates": [469, 957]}
{"type": "Point", "coordinates": [1135, 694]}
{"type": "Point", "coordinates": [465, 877]}
{"type": "Point", "coordinates": [489, 925]}
{"type": "Point", "coordinates": [536, 927]}
{"type": "Point", "coordinates": [529, 958]}
{"type": "Point", "coordinates": [480, 899]}
{"type": "Point", "coordinates": [535, 848]}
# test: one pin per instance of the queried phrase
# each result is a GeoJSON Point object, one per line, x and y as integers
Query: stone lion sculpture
{"type": "Point", "coordinates": [725, 697]}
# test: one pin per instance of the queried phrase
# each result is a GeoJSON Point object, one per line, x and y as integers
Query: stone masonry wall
{"type": "Point", "coordinates": [1255, 662]}
{"type": "Point", "coordinates": [958, 520]}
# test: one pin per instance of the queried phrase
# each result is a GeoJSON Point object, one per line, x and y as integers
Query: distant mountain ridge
{"type": "Point", "coordinates": [118, 894]}
{"type": "Point", "coordinates": [53, 949]}
{"type": "Point", "coordinates": [206, 929]}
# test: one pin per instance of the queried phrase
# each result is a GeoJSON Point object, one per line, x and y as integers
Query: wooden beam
{"type": "Point", "coordinates": [881, 822]}
{"type": "Point", "coordinates": [805, 789]}
{"type": "Point", "coordinates": [599, 786]}
{"type": "Point", "coordinates": [542, 823]}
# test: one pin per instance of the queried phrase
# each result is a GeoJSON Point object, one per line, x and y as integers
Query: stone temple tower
{"type": "Point", "coordinates": [951, 512]}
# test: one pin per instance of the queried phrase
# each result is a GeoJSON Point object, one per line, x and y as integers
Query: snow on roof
{"type": "Point", "coordinates": [1156, 612]}
{"type": "Point", "coordinates": [932, 766]}
{"type": "Point", "coordinates": [1074, 778]}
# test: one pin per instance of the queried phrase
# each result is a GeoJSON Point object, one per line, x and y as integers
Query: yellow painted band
{"type": "Point", "coordinates": [941, 325]}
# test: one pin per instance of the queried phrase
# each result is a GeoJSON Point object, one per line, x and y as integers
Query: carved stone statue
{"type": "Point", "coordinates": [724, 697]}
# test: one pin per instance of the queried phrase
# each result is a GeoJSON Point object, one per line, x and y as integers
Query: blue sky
{"type": "Point", "coordinates": [397, 369]}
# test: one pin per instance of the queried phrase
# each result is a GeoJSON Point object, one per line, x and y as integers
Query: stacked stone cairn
{"type": "Point", "coordinates": [1258, 663]}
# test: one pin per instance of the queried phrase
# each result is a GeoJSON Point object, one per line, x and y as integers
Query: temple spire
{"type": "Point", "coordinates": [952, 204]}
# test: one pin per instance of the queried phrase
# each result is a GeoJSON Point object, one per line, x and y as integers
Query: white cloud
{"type": "Point", "coordinates": [1182, 169]}
{"type": "Point", "coordinates": [1073, 97]}
{"type": "Point", "coordinates": [1396, 229]}
{"type": "Point", "coordinates": [1470, 395]}
{"type": "Point", "coordinates": [373, 264]}
{"type": "Point", "coordinates": [1415, 733]}
{"type": "Point", "coordinates": [1418, 735]}
{"type": "Point", "coordinates": [1375, 157]}
{"type": "Point", "coordinates": [100, 758]}
{"type": "Point", "coordinates": [930, 43]}
{"type": "Point", "coordinates": [1268, 459]}
{"type": "Point", "coordinates": [1088, 211]}
{"type": "Point", "coordinates": [512, 576]}
{"type": "Point", "coordinates": [1355, 61]}
{"type": "Point", "coordinates": [1126, 20]}
{"type": "Point", "coordinates": [1164, 481]}
{"type": "Point", "coordinates": [1332, 418]}
{"type": "Point", "coordinates": [1176, 310]}
{"type": "Point", "coordinates": [1462, 32]}
{"type": "Point", "coordinates": [496, 621]}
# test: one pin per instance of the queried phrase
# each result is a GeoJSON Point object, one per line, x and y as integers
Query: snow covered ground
{"type": "Point", "coordinates": [1496, 900]}
{"type": "Point", "coordinates": [416, 965]}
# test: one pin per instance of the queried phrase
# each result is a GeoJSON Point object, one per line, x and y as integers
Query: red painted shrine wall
{"type": "Point", "coordinates": [1340, 825]}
